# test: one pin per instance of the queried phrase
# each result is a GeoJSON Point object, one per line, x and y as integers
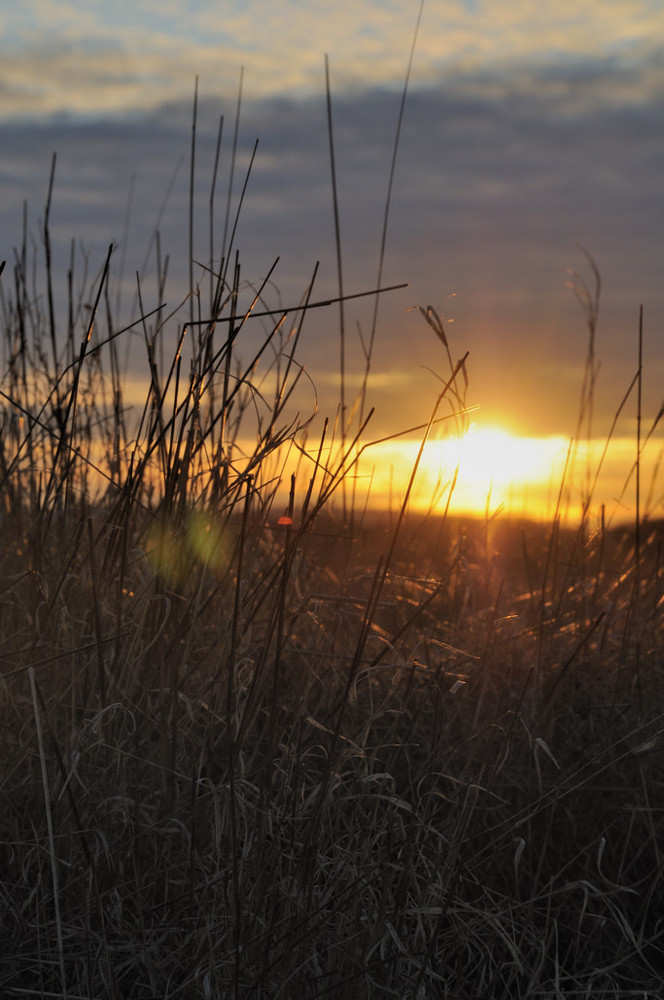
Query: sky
{"type": "Point", "coordinates": [531, 144]}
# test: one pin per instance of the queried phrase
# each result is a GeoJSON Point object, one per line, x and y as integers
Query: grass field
{"type": "Point", "coordinates": [261, 741]}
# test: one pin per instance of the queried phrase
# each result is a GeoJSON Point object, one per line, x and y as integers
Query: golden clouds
{"type": "Point", "coordinates": [88, 59]}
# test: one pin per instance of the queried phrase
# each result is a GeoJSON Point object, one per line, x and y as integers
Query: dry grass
{"type": "Point", "coordinates": [354, 758]}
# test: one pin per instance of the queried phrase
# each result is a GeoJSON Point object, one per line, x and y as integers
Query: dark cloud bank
{"type": "Point", "coordinates": [497, 188]}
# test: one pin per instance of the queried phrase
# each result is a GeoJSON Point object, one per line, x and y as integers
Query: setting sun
{"type": "Point", "coordinates": [491, 459]}
{"type": "Point", "coordinates": [494, 467]}
{"type": "Point", "coordinates": [486, 467]}
{"type": "Point", "coordinates": [490, 468]}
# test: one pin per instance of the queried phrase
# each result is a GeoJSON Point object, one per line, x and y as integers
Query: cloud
{"type": "Point", "coordinates": [382, 380]}
{"type": "Point", "coordinates": [91, 59]}
{"type": "Point", "coordinates": [499, 180]}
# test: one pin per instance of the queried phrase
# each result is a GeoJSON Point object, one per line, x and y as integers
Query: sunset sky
{"type": "Point", "coordinates": [532, 133]}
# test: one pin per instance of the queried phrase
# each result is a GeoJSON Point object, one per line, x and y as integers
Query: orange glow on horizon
{"type": "Point", "coordinates": [490, 469]}
{"type": "Point", "coordinates": [485, 469]}
{"type": "Point", "coordinates": [492, 461]}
